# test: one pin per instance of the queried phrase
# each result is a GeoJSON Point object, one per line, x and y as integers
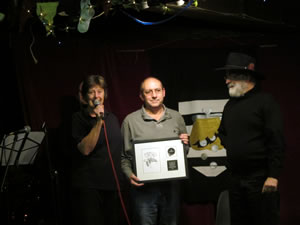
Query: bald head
{"type": "Point", "coordinates": [149, 80]}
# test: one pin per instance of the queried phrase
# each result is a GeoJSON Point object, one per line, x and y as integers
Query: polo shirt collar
{"type": "Point", "coordinates": [165, 116]}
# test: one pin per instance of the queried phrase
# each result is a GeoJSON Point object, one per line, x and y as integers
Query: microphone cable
{"type": "Point", "coordinates": [115, 175]}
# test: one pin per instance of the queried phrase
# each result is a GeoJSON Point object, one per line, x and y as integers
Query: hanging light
{"type": "Point", "coordinates": [180, 2]}
{"type": "Point", "coordinates": [145, 4]}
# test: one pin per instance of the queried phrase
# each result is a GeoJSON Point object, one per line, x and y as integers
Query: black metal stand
{"type": "Point", "coordinates": [16, 149]}
{"type": "Point", "coordinates": [3, 146]}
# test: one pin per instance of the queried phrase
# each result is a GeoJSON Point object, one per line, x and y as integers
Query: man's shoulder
{"type": "Point", "coordinates": [265, 96]}
{"type": "Point", "coordinates": [172, 111]}
{"type": "Point", "coordinates": [133, 114]}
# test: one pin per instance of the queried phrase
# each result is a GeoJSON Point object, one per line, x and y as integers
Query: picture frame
{"type": "Point", "coordinates": [160, 160]}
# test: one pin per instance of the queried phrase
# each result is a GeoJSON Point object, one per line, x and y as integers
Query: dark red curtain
{"type": "Point", "coordinates": [62, 64]}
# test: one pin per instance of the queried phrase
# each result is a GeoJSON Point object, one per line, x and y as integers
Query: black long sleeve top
{"type": "Point", "coordinates": [251, 131]}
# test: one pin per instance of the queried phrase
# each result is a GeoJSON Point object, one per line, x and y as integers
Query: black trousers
{"type": "Point", "coordinates": [95, 207]}
{"type": "Point", "coordinates": [248, 205]}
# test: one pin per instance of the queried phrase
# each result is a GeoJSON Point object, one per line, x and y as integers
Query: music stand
{"type": "Point", "coordinates": [19, 149]}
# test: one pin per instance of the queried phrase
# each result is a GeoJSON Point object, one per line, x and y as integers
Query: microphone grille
{"type": "Point", "coordinates": [96, 102]}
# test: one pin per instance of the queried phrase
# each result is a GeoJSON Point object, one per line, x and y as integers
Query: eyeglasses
{"type": "Point", "coordinates": [152, 91]}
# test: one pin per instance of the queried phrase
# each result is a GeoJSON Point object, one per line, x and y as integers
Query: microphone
{"type": "Point", "coordinates": [96, 103]}
{"type": "Point", "coordinates": [26, 129]}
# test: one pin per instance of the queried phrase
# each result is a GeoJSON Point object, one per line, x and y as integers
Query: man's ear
{"type": "Point", "coordinates": [251, 66]}
{"type": "Point", "coordinates": [142, 97]}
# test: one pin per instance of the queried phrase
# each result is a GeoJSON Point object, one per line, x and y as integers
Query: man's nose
{"type": "Point", "coordinates": [227, 81]}
{"type": "Point", "coordinates": [154, 94]}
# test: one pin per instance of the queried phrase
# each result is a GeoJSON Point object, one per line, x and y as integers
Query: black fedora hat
{"type": "Point", "coordinates": [242, 62]}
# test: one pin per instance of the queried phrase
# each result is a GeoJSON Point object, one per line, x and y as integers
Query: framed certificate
{"type": "Point", "coordinates": [160, 159]}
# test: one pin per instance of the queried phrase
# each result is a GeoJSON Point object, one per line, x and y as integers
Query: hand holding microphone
{"type": "Point", "coordinates": [99, 109]}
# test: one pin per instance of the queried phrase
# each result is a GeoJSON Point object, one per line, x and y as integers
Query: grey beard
{"type": "Point", "coordinates": [238, 90]}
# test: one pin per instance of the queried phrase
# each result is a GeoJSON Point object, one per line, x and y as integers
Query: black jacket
{"type": "Point", "coordinates": [251, 131]}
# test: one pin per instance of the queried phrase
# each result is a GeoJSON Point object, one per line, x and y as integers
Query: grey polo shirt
{"type": "Point", "coordinates": [139, 125]}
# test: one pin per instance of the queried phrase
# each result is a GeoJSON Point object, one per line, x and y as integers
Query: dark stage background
{"type": "Point", "coordinates": [46, 93]}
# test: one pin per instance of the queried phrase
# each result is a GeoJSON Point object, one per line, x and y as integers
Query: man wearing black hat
{"type": "Point", "coordinates": [251, 130]}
